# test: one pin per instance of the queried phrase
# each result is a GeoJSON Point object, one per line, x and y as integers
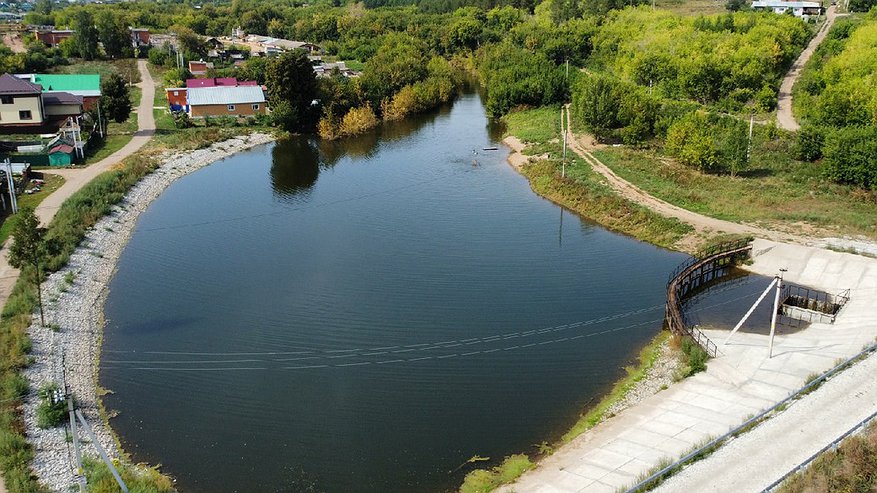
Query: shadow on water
{"type": "Point", "coordinates": [296, 162]}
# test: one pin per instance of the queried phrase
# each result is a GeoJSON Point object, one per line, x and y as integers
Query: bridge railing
{"type": "Point", "coordinates": [707, 266]}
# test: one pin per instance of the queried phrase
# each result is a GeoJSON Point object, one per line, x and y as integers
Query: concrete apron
{"type": "Point", "coordinates": [739, 383]}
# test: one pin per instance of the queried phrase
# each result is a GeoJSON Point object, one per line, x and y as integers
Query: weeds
{"type": "Point", "coordinates": [483, 480]}
{"type": "Point", "coordinates": [51, 410]}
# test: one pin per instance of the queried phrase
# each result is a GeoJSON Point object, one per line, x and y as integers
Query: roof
{"type": "Point", "coordinates": [10, 84]}
{"type": "Point", "coordinates": [78, 84]}
{"type": "Point", "coordinates": [54, 98]}
{"type": "Point", "coordinates": [782, 3]}
{"type": "Point", "coordinates": [66, 149]}
{"type": "Point", "coordinates": [219, 81]}
{"type": "Point", "coordinates": [226, 95]}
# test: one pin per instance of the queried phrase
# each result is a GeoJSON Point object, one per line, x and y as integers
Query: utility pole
{"type": "Point", "coordinates": [102, 452]}
{"type": "Point", "coordinates": [7, 168]}
{"type": "Point", "coordinates": [564, 126]}
{"type": "Point", "coordinates": [776, 308]}
{"type": "Point", "coordinates": [749, 144]}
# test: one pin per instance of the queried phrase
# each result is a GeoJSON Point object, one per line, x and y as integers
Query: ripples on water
{"type": "Point", "coordinates": [366, 315]}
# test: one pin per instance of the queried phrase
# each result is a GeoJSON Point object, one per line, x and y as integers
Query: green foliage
{"type": "Point", "coordinates": [86, 36]}
{"type": "Point", "coordinates": [113, 34]}
{"type": "Point", "coordinates": [182, 120]}
{"type": "Point", "coordinates": [49, 413]}
{"type": "Point", "coordinates": [292, 86]}
{"type": "Point", "coordinates": [400, 61]}
{"type": "Point", "coordinates": [139, 479]}
{"type": "Point", "coordinates": [513, 77]}
{"type": "Point", "coordinates": [483, 481]}
{"type": "Point", "coordinates": [839, 86]}
{"type": "Point", "coordinates": [707, 59]}
{"type": "Point", "coordinates": [115, 99]}
{"type": "Point", "coordinates": [614, 109]}
{"type": "Point", "coordinates": [709, 143]}
{"type": "Point", "coordinates": [851, 156]}
{"type": "Point", "coordinates": [810, 141]}
{"type": "Point", "coordinates": [694, 356]}
{"type": "Point", "coordinates": [27, 239]}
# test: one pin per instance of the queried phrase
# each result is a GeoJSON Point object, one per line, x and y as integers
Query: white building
{"type": "Point", "coordinates": [799, 9]}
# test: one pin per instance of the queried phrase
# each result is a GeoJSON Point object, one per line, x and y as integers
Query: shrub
{"type": "Point", "coordinates": [357, 121]}
{"type": "Point", "coordinates": [182, 120]}
{"type": "Point", "coordinates": [482, 480]}
{"type": "Point", "coordinates": [851, 156]}
{"type": "Point", "coordinates": [49, 413]}
{"type": "Point", "coordinates": [810, 142]}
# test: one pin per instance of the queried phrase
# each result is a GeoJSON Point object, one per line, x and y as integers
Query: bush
{"type": "Point", "coordinates": [357, 121]}
{"type": "Point", "coordinates": [50, 414]}
{"type": "Point", "coordinates": [851, 156]}
{"type": "Point", "coordinates": [182, 120]}
{"type": "Point", "coordinates": [810, 142]}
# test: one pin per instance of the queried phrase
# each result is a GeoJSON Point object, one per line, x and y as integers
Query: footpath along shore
{"type": "Point", "coordinates": [70, 352]}
{"type": "Point", "coordinates": [741, 382]}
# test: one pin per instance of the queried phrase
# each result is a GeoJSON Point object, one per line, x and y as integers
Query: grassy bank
{"type": "Point", "coordinates": [485, 480]}
{"type": "Point", "coordinates": [777, 191]}
{"type": "Point", "coordinates": [852, 467]}
{"type": "Point", "coordinates": [583, 191]}
{"type": "Point", "coordinates": [53, 182]}
{"type": "Point", "coordinates": [79, 213]}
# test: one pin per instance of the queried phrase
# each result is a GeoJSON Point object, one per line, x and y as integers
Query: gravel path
{"type": "Point", "coordinates": [782, 443]}
{"type": "Point", "coordinates": [68, 350]}
{"type": "Point", "coordinates": [785, 118]}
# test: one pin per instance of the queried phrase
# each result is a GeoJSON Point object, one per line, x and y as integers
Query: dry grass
{"type": "Point", "coordinates": [850, 468]}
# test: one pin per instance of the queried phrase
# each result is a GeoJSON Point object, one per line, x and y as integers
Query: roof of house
{"type": "Point", "coordinates": [226, 95]}
{"type": "Point", "coordinates": [66, 149]}
{"type": "Point", "coordinates": [219, 82]}
{"type": "Point", "coordinates": [783, 3]}
{"type": "Point", "coordinates": [56, 98]}
{"type": "Point", "coordinates": [78, 84]}
{"type": "Point", "coordinates": [10, 84]}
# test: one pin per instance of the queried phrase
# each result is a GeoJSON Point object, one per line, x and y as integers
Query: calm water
{"type": "Point", "coordinates": [366, 316]}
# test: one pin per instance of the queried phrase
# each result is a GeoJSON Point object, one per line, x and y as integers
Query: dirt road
{"type": "Point", "coordinates": [785, 119]}
{"type": "Point", "coordinates": [703, 225]}
{"type": "Point", "coordinates": [77, 178]}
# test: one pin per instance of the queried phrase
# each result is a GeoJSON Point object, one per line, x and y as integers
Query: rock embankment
{"type": "Point", "coordinates": [67, 351]}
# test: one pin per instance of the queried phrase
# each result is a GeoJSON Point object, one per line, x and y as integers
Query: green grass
{"type": "Point", "coordinates": [852, 467]}
{"type": "Point", "coordinates": [583, 190]}
{"type": "Point", "coordinates": [777, 191]}
{"type": "Point", "coordinates": [118, 134]}
{"type": "Point", "coordinates": [484, 480]}
{"type": "Point", "coordinates": [138, 479]}
{"type": "Point", "coordinates": [53, 182]}
{"type": "Point", "coordinates": [127, 68]}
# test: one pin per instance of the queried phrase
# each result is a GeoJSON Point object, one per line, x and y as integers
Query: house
{"type": "Point", "coordinates": [139, 37]}
{"type": "Point", "coordinates": [224, 100]}
{"type": "Point", "coordinates": [53, 37]}
{"type": "Point", "coordinates": [86, 86]}
{"type": "Point", "coordinates": [25, 106]}
{"type": "Point", "coordinates": [219, 81]}
{"type": "Point", "coordinates": [176, 99]}
{"type": "Point", "coordinates": [799, 9]}
{"type": "Point", "coordinates": [21, 103]}
{"type": "Point", "coordinates": [200, 67]}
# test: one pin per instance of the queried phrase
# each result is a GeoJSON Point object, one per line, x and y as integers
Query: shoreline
{"type": "Point", "coordinates": [67, 352]}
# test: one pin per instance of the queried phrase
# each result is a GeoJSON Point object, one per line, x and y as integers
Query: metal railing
{"type": "Point", "coordinates": [681, 284]}
{"type": "Point", "coordinates": [667, 471]}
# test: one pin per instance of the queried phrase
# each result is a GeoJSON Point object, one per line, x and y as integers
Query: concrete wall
{"type": "Point", "coordinates": [222, 110]}
{"type": "Point", "coordinates": [9, 112]}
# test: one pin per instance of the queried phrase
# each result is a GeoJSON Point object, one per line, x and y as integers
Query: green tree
{"type": "Point", "coordinates": [113, 34]}
{"type": "Point", "coordinates": [86, 36]}
{"type": "Point", "coordinates": [28, 247]}
{"type": "Point", "coordinates": [292, 87]}
{"type": "Point", "coordinates": [115, 100]}
{"type": "Point", "coordinates": [43, 7]}
{"type": "Point", "coordinates": [595, 103]}
{"type": "Point", "coordinates": [851, 156]}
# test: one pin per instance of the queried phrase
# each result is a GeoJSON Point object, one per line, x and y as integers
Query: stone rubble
{"type": "Point", "coordinates": [67, 351]}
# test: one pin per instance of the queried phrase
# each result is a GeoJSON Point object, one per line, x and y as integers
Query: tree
{"type": "Point", "coordinates": [86, 36]}
{"type": "Point", "coordinates": [27, 247]}
{"type": "Point", "coordinates": [292, 87]}
{"type": "Point", "coordinates": [190, 43]}
{"type": "Point", "coordinates": [113, 34]}
{"type": "Point", "coordinates": [114, 100]}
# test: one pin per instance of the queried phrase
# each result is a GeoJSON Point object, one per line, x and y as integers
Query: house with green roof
{"type": "Point", "coordinates": [85, 85]}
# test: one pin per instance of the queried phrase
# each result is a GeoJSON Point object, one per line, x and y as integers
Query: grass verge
{"type": "Point", "coordinates": [582, 190]}
{"type": "Point", "coordinates": [776, 190]}
{"type": "Point", "coordinates": [852, 467]}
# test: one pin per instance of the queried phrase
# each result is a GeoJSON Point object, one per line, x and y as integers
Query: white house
{"type": "Point", "coordinates": [799, 9]}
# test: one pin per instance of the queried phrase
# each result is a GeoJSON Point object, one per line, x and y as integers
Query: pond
{"type": "Point", "coordinates": [366, 315]}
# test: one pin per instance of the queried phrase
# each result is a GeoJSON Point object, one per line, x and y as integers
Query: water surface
{"type": "Point", "coordinates": [365, 316]}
